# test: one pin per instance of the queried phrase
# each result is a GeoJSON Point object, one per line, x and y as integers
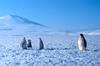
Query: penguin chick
{"type": "Point", "coordinates": [29, 45]}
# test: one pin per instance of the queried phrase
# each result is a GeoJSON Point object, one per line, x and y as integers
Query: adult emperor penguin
{"type": "Point", "coordinates": [82, 44]}
{"type": "Point", "coordinates": [41, 45]}
{"type": "Point", "coordinates": [24, 44]}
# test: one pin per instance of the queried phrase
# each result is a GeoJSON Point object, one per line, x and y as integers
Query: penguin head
{"type": "Point", "coordinates": [24, 38]}
{"type": "Point", "coordinates": [29, 40]}
{"type": "Point", "coordinates": [81, 35]}
{"type": "Point", "coordinates": [40, 38]}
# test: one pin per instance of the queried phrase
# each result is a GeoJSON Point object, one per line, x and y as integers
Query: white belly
{"type": "Point", "coordinates": [81, 43]}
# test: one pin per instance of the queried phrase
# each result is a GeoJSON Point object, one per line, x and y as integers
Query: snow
{"type": "Point", "coordinates": [60, 49]}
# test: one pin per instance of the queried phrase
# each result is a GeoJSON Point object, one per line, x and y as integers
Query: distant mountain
{"type": "Point", "coordinates": [14, 19]}
{"type": "Point", "coordinates": [25, 20]}
{"type": "Point", "coordinates": [17, 24]}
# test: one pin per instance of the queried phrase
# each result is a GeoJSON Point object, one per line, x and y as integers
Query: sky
{"type": "Point", "coordinates": [67, 15]}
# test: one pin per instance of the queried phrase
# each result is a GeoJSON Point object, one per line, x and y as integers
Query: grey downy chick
{"type": "Point", "coordinates": [29, 45]}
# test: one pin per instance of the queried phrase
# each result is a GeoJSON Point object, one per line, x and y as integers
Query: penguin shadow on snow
{"type": "Point", "coordinates": [95, 50]}
{"type": "Point", "coordinates": [57, 49]}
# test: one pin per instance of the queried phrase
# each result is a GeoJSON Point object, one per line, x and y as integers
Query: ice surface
{"type": "Point", "coordinates": [60, 50]}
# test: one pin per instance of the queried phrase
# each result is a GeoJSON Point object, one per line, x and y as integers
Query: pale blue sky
{"type": "Point", "coordinates": [69, 15]}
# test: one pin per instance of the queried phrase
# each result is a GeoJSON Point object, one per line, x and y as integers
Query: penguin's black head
{"type": "Point", "coordinates": [81, 34]}
{"type": "Point", "coordinates": [40, 38]}
{"type": "Point", "coordinates": [24, 38]}
{"type": "Point", "coordinates": [29, 40]}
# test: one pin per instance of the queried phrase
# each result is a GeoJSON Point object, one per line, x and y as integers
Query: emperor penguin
{"type": "Point", "coordinates": [24, 43]}
{"type": "Point", "coordinates": [41, 45]}
{"type": "Point", "coordinates": [29, 45]}
{"type": "Point", "coordinates": [82, 43]}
